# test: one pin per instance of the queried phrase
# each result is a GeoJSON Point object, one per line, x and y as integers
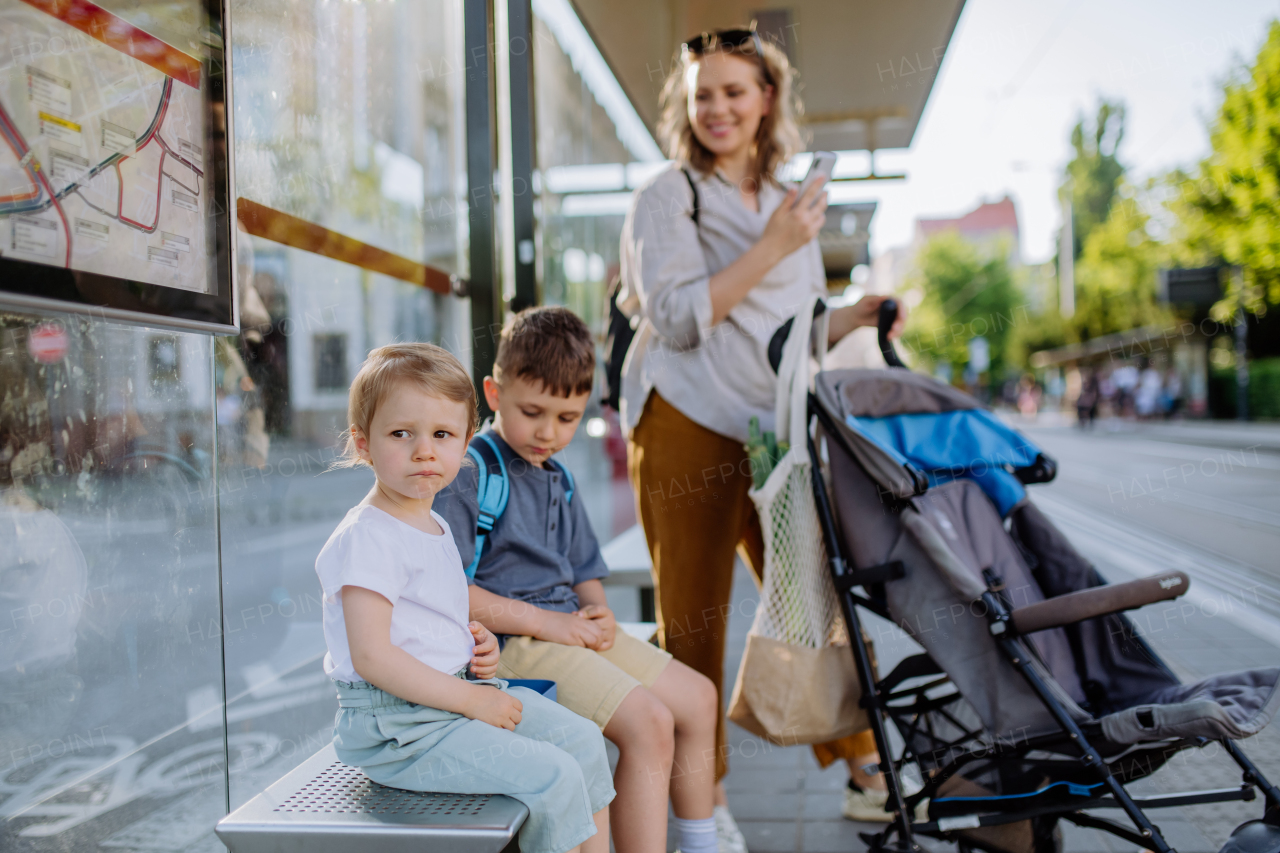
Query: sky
{"type": "Point", "coordinates": [1015, 79]}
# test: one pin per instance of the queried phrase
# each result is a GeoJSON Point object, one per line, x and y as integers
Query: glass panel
{"type": "Point", "coordinates": [110, 690]}
{"type": "Point", "coordinates": [592, 150]}
{"type": "Point", "coordinates": [574, 133]}
{"type": "Point", "coordinates": [348, 115]}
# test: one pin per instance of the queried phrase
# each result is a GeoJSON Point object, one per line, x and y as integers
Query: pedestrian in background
{"type": "Point", "coordinates": [1087, 402]}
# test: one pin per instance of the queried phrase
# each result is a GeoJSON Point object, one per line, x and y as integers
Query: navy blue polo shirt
{"type": "Point", "coordinates": [541, 547]}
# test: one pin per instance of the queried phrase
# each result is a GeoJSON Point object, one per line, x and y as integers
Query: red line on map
{"type": "Point", "coordinates": [120, 197]}
{"type": "Point", "coordinates": [57, 205]}
{"type": "Point", "coordinates": [116, 32]}
{"type": "Point", "coordinates": [152, 134]}
{"type": "Point", "coordinates": [175, 155]}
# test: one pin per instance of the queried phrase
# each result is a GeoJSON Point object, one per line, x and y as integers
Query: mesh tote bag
{"type": "Point", "coordinates": [797, 682]}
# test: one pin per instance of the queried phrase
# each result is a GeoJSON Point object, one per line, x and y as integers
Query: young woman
{"type": "Point", "coordinates": [712, 285]}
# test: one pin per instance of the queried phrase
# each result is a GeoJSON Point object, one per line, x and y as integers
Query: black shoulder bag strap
{"type": "Point", "coordinates": [693, 188]}
{"type": "Point", "coordinates": [621, 333]}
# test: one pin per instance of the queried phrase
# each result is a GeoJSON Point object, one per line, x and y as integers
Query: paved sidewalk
{"type": "Point", "coordinates": [779, 796]}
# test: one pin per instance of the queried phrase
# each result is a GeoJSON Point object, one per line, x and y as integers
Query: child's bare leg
{"type": "Point", "coordinates": [643, 730]}
{"type": "Point", "coordinates": [694, 707]}
{"type": "Point", "coordinates": [598, 843]}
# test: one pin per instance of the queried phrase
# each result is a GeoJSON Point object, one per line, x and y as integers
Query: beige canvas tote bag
{"type": "Point", "coordinates": [797, 683]}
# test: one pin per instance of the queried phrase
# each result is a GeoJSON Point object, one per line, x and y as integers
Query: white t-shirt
{"type": "Point", "coordinates": [420, 574]}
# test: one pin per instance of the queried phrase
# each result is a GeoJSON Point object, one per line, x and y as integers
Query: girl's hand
{"type": "Point", "coordinates": [797, 220]}
{"type": "Point", "coordinates": [484, 660]}
{"type": "Point", "coordinates": [603, 618]}
{"type": "Point", "coordinates": [493, 706]}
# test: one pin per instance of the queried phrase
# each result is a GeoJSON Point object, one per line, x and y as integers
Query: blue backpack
{"type": "Point", "coordinates": [493, 489]}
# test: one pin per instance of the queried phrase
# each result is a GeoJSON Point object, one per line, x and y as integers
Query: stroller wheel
{"type": "Point", "coordinates": [1256, 836]}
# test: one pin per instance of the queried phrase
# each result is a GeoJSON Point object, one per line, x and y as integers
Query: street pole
{"type": "Point", "coordinates": [1242, 366]}
{"type": "Point", "coordinates": [486, 304]}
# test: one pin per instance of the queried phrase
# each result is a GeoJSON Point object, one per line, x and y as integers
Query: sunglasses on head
{"type": "Point", "coordinates": [736, 38]}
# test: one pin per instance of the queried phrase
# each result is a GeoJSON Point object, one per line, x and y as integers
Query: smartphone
{"type": "Point", "coordinates": [819, 170]}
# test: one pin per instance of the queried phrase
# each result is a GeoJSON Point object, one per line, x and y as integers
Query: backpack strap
{"type": "Point", "coordinates": [697, 205]}
{"type": "Point", "coordinates": [568, 480]}
{"type": "Point", "coordinates": [492, 491]}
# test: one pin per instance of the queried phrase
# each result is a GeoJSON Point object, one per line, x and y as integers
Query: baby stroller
{"type": "Point", "coordinates": [1034, 700]}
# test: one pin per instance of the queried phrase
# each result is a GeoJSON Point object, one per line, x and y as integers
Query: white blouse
{"type": "Point", "coordinates": [717, 375]}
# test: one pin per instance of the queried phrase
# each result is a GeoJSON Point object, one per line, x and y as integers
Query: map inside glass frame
{"type": "Point", "coordinates": [114, 167]}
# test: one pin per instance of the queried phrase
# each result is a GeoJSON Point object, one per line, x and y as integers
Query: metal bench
{"type": "Point", "coordinates": [324, 806]}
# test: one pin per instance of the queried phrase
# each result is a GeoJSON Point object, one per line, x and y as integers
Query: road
{"type": "Point", "coordinates": [1201, 498]}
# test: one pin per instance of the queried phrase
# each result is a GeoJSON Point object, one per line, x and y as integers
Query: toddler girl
{"type": "Point", "coordinates": [400, 644]}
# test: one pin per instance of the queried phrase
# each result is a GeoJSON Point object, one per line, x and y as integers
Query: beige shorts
{"type": "Point", "coordinates": [589, 683]}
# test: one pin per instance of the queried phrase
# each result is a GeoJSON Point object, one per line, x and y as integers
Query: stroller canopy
{"type": "Point", "coordinates": [934, 433]}
{"type": "Point", "coordinates": [968, 442]}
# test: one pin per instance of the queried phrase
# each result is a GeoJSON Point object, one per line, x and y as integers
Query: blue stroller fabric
{"type": "Point", "coordinates": [970, 443]}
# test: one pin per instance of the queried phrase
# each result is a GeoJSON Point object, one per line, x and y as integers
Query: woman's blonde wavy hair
{"type": "Point", "coordinates": [778, 136]}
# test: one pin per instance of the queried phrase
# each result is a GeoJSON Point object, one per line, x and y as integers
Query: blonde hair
{"type": "Point", "coordinates": [778, 136]}
{"type": "Point", "coordinates": [431, 368]}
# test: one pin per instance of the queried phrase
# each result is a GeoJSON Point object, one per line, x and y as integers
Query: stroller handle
{"type": "Point", "coordinates": [888, 314]}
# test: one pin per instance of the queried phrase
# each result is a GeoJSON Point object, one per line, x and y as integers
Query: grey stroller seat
{"type": "Point", "coordinates": [1036, 699]}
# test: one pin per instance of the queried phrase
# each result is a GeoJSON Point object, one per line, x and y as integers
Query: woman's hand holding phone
{"type": "Point", "coordinates": [801, 215]}
{"type": "Point", "coordinates": [797, 220]}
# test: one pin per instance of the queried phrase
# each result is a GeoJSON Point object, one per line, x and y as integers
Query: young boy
{"type": "Point", "coordinates": [538, 583]}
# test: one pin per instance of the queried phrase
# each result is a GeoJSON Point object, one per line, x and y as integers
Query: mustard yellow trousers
{"type": "Point", "coordinates": [691, 489]}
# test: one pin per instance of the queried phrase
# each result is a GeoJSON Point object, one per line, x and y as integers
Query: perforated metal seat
{"type": "Point", "coordinates": [324, 806]}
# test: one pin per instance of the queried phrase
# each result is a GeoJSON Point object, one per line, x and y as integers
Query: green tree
{"type": "Point", "coordinates": [1094, 174]}
{"type": "Point", "coordinates": [1116, 272]}
{"type": "Point", "coordinates": [969, 292]}
{"type": "Point", "coordinates": [1230, 210]}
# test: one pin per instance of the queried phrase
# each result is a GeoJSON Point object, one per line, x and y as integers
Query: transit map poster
{"type": "Point", "coordinates": [104, 140]}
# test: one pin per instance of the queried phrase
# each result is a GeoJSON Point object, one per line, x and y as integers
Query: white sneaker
{"type": "Point", "coordinates": [728, 837]}
{"type": "Point", "coordinates": [868, 805]}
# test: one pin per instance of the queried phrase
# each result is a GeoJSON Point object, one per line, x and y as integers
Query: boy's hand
{"type": "Point", "coordinates": [602, 617]}
{"type": "Point", "coordinates": [484, 659]}
{"type": "Point", "coordinates": [568, 629]}
{"type": "Point", "coordinates": [493, 706]}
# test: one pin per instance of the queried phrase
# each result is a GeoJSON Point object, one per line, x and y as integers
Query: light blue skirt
{"type": "Point", "coordinates": [554, 762]}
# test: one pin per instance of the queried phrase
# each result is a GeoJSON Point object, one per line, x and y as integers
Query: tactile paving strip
{"type": "Point", "coordinates": [345, 790]}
